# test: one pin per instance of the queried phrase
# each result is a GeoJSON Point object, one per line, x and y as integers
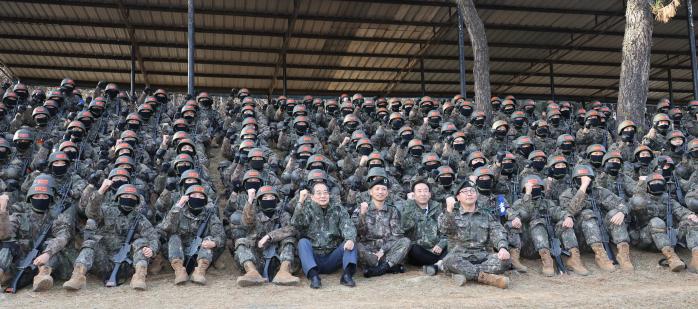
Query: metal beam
{"type": "Point", "coordinates": [552, 82]}
{"type": "Point", "coordinates": [281, 58]}
{"type": "Point", "coordinates": [191, 48]}
{"type": "Point", "coordinates": [461, 54]}
{"type": "Point", "coordinates": [671, 86]}
{"type": "Point", "coordinates": [320, 79]}
{"type": "Point", "coordinates": [692, 46]}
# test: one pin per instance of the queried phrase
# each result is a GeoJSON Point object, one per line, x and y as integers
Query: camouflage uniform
{"type": "Point", "coordinates": [257, 225]}
{"type": "Point", "coordinates": [421, 227]}
{"type": "Point", "coordinates": [379, 229]}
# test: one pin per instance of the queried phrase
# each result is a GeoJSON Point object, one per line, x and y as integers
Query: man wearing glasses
{"type": "Point", "coordinates": [471, 233]}
{"type": "Point", "coordinates": [326, 235]}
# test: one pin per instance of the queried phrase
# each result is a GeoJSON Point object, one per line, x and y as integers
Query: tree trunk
{"type": "Point", "coordinates": [635, 70]}
{"type": "Point", "coordinates": [481, 63]}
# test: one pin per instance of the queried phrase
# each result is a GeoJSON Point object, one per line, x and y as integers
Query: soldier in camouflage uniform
{"type": "Point", "coordinates": [180, 227]}
{"type": "Point", "coordinates": [579, 200]}
{"type": "Point", "coordinates": [656, 138]}
{"type": "Point", "coordinates": [20, 225]}
{"type": "Point", "coordinates": [381, 244]}
{"type": "Point", "coordinates": [419, 221]}
{"type": "Point", "coordinates": [267, 223]}
{"type": "Point", "coordinates": [535, 209]}
{"type": "Point", "coordinates": [471, 235]}
{"type": "Point", "coordinates": [649, 210]}
{"type": "Point", "coordinates": [592, 132]}
{"type": "Point", "coordinates": [110, 221]}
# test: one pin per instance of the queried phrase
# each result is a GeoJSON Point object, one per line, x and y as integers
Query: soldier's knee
{"type": "Point", "coordinates": [236, 218]}
{"type": "Point", "coordinates": [657, 225]}
{"type": "Point", "coordinates": [587, 214]}
{"type": "Point", "coordinates": [304, 243]}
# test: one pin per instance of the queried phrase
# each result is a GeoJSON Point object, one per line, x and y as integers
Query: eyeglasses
{"type": "Point", "coordinates": [468, 191]}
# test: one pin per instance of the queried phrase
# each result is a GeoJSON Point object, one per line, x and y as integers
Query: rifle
{"type": "Point", "coordinates": [678, 190]}
{"type": "Point", "coordinates": [602, 227]}
{"type": "Point", "coordinates": [271, 258]}
{"type": "Point", "coordinates": [619, 187]}
{"type": "Point", "coordinates": [555, 245]}
{"type": "Point", "coordinates": [671, 230]}
{"type": "Point", "coordinates": [122, 256]}
{"type": "Point", "coordinates": [192, 254]}
{"type": "Point", "coordinates": [26, 269]}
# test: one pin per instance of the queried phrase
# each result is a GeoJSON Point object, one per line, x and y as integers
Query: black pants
{"type": "Point", "coordinates": [419, 256]}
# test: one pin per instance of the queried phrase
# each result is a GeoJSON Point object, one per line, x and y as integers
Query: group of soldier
{"type": "Point", "coordinates": [116, 185]}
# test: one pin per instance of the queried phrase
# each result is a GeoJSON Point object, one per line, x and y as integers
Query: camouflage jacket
{"type": "Point", "coordinates": [576, 201]}
{"type": "Point", "coordinates": [535, 210]}
{"type": "Point", "coordinates": [472, 232]}
{"type": "Point", "coordinates": [378, 226]}
{"type": "Point", "coordinates": [325, 228]}
{"type": "Point", "coordinates": [24, 225]}
{"type": "Point", "coordinates": [258, 224]}
{"type": "Point", "coordinates": [181, 221]}
{"type": "Point", "coordinates": [422, 227]}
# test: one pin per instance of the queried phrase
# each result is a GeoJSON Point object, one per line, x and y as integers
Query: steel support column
{"type": "Point", "coordinates": [552, 81]}
{"type": "Point", "coordinates": [671, 86]}
{"type": "Point", "coordinates": [461, 52]}
{"type": "Point", "coordinates": [692, 46]}
{"type": "Point", "coordinates": [133, 72]}
{"type": "Point", "coordinates": [284, 74]}
{"type": "Point", "coordinates": [421, 75]}
{"type": "Point", "coordinates": [190, 48]}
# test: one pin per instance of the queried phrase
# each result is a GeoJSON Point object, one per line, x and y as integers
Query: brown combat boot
{"type": "Point", "coordinates": [675, 263]}
{"type": "Point", "coordinates": [77, 279]}
{"type": "Point", "coordinates": [155, 266]}
{"type": "Point", "coordinates": [548, 268]}
{"type": "Point", "coordinates": [251, 277]}
{"type": "Point", "coordinates": [501, 282]}
{"type": "Point", "coordinates": [284, 276]}
{"type": "Point", "coordinates": [623, 257]}
{"type": "Point", "coordinates": [43, 280]}
{"type": "Point", "coordinates": [198, 276]}
{"type": "Point", "coordinates": [515, 260]}
{"type": "Point", "coordinates": [180, 271]}
{"type": "Point", "coordinates": [601, 258]}
{"type": "Point", "coordinates": [138, 279]}
{"type": "Point", "coordinates": [693, 265]}
{"type": "Point", "coordinates": [575, 263]}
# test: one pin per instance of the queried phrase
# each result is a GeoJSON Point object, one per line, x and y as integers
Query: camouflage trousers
{"type": "Point", "coordinates": [394, 251]}
{"type": "Point", "coordinates": [464, 263]}
{"type": "Point", "coordinates": [513, 236]}
{"type": "Point", "coordinates": [246, 250]}
{"type": "Point", "coordinates": [62, 263]}
{"type": "Point", "coordinates": [96, 255]}
{"type": "Point", "coordinates": [650, 235]}
{"type": "Point", "coordinates": [586, 226]}
{"type": "Point", "coordinates": [175, 250]}
{"type": "Point", "coordinates": [541, 240]}
{"type": "Point", "coordinates": [688, 232]}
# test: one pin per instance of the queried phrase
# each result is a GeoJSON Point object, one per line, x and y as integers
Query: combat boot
{"type": "Point", "coordinates": [675, 263]}
{"type": "Point", "coordinates": [77, 279]}
{"type": "Point", "coordinates": [693, 265]}
{"type": "Point", "coordinates": [377, 270]}
{"type": "Point", "coordinates": [284, 276]}
{"type": "Point", "coordinates": [575, 263]}
{"type": "Point", "coordinates": [501, 282]}
{"type": "Point", "coordinates": [251, 277]}
{"type": "Point", "coordinates": [138, 279]}
{"type": "Point", "coordinates": [516, 262]}
{"type": "Point", "coordinates": [199, 274]}
{"type": "Point", "coordinates": [43, 280]}
{"type": "Point", "coordinates": [623, 257]}
{"type": "Point", "coordinates": [601, 258]}
{"type": "Point", "coordinates": [155, 266]}
{"type": "Point", "coordinates": [180, 271]}
{"type": "Point", "coordinates": [547, 260]}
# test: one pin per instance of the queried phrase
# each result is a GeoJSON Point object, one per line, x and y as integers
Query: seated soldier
{"type": "Point", "coordinates": [326, 235]}
{"type": "Point", "coordinates": [470, 232]}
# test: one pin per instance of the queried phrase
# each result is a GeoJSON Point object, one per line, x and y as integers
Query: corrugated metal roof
{"type": "Point", "coordinates": [335, 45]}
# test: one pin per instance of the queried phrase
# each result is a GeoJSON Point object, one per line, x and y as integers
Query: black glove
{"type": "Point", "coordinates": [102, 84]}
{"type": "Point", "coordinates": [94, 178]}
{"type": "Point", "coordinates": [148, 90]}
{"type": "Point", "coordinates": [234, 92]}
{"type": "Point", "coordinates": [21, 108]}
{"type": "Point", "coordinates": [188, 97]}
{"type": "Point", "coordinates": [41, 165]}
{"type": "Point", "coordinates": [171, 184]}
{"type": "Point", "coordinates": [165, 167]}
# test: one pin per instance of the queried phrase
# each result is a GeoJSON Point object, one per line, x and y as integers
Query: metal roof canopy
{"type": "Point", "coordinates": [324, 47]}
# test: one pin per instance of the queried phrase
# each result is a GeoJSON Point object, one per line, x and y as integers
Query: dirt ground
{"type": "Point", "coordinates": [649, 286]}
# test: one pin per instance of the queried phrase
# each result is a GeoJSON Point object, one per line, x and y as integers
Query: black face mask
{"type": "Point", "coordinates": [595, 160]}
{"type": "Point", "coordinates": [300, 129]}
{"type": "Point", "coordinates": [529, 110]}
{"type": "Point", "coordinates": [257, 164]}
{"type": "Point", "coordinates": [500, 135]}
{"type": "Point", "coordinates": [542, 132]}
{"type": "Point", "coordinates": [667, 172]}
{"type": "Point", "coordinates": [268, 207]}
{"type": "Point", "coordinates": [372, 165]}
{"type": "Point", "coordinates": [459, 147]}
{"type": "Point", "coordinates": [466, 111]}
{"type": "Point", "coordinates": [676, 148]}
{"type": "Point", "coordinates": [578, 184]}
{"type": "Point", "coordinates": [369, 109]}
{"type": "Point", "coordinates": [396, 124]}
{"type": "Point", "coordinates": [189, 117]}
{"type": "Point", "coordinates": [429, 167]}
{"type": "Point", "coordinates": [72, 155]}
{"type": "Point", "coordinates": [134, 126]}
{"type": "Point", "coordinates": [525, 150]}
{"type": "Point", "coordinates": [496, 106]}
{"type": "Point", "coordinates": [4, 154]}
{"type": "Point", "coordinates": [566, 147]}
{"type": "Point", "coordinates": [538, 165]}
{"type": "Point", "coordinates": [518, 122]}
{"type": "Point", "coordinates": [40, 205]}
{"type": "Point", "coordinates": [627, 136]}
{"type": "Point", "coordinates": [558, 172]}
{"type": "Point", "coordinates": [662, 128]}
{"type": "Point", "coordinates": [206, 103]}
{"type": "Point", "coordinates": [612, 168]}
{"type": "Point", "coordinates": [186, 185]}
{"type": "Point", "coordinates": [196, 205]}
{"type": "Point", "coordinates": [565, 113]}
{"type": "Point", "coordinates": [446, 181]}
{"type": "Point", "coordinates": [407, 137]}
{"type": "Point", "coordinates": [96, 112]}
{"type": "Point", "coordinates": [252, 185]}
{"type": "Point", "coordinates": [181, 168]}
{"type": "Point", "coordinates": [645, 160]}
{"type": "Point", "coordinates": [416, 152]}
{"type": "Point", "coordinates": [537, 193]}
{"type": "Point", "coordinates": [59, 170]}
{"type": "Point", "coordinates": [364, 151]}
{"type": "Point", "coordinates": [127, 205]}
{"type": "Point", "coordinates": [181, 129]}
{"type": "Point", "coordinates": [116, 184]}
{"type": "Point", "coordinates": [656, 188]}
{"type": "Point", "coordinates": [434, 123]}
{"type": "Point", "coordinates": [508, 111]}
{"type": "Point", "coordinates": [475, 165]}
{"type": "Point", "coordinates": [484, 185]}
{"type": "Point", "coordinates": [145, 115]}
{"type": "Point", "coordinates": [23, 145]}
{"type": "Point", "coordinates": [507, 168]}
{"type": "Point", "coordinates": [555, 121]}
{"type": "Point", "coordinates": [593, 122]}
{"type": "Point", "coordinates": [42, 122]}
{"type": "Point", "coordinates": [479, 122]}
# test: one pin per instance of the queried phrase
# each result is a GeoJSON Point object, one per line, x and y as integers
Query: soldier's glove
{"type": "Point", "coordinates": [188, 97]}
{"type": "Point", "coordinates": [94, 178]}
{"type": "Point", "coordinates": [21, 108]}
{"type": "Point", "coordinates": [164, 167]}
{"type": "Point", "coordinates": [171, 184]}
{"type": "Point", "coordinates": [41, 165]}
{"type": "Point", "coordinates": [102, 84]}
{"type": "Point", "coordinates": [148, 91]}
